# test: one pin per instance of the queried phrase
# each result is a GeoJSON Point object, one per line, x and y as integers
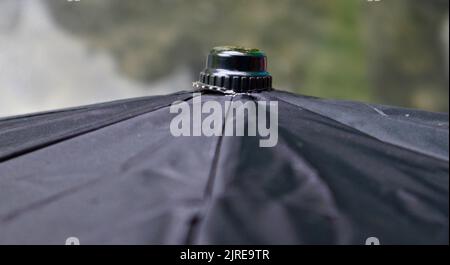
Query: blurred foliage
{"type": "Point", "coordinates": [387, 52]}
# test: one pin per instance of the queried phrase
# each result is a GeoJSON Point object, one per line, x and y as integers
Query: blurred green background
{"type": "Point", "coordinates": [389, 52]}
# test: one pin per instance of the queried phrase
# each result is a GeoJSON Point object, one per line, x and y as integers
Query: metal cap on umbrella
{"type": "Point", "coordinates": [235, 69]}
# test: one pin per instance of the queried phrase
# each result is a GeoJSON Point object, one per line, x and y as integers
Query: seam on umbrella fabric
{"type": "Point", "coordinates": [16, 122]}
{"type": "Point", "coordinates": [405, 145]}
{"type": "Point", "coordinates": [83, 130]}
{"type": "Point", "coordinates": [21, 122]}
{"type": "Point", "coordinates": [209, 189]}
{"type": "Point", "coordinates": [86, 107]}
{"type": "Point", "coordinates": [362, 132]}
{"type": "Point", "coordinates": [394, 146]}
{"type": "Point", "coordinates": [213, 171]}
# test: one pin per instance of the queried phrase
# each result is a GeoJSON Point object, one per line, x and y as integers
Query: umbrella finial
{"type": "Point", "coordinates": [233, 69]}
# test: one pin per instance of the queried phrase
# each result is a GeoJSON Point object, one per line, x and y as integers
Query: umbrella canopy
{"type": "Point", "coordinates": [113, 173]}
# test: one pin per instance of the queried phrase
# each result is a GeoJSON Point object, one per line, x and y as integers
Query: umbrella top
{"type": "Point", "coordinates": [235, 69]}
{"type": "Point", "coordinates": [341, 172]}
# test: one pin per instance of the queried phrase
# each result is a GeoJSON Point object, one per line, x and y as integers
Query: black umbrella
{"type": "Point", "coordinates": [340, 172]}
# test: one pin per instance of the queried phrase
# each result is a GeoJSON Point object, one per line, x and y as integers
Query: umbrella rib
{"type": "Point", "coordinates": [213, 171]}
{"type": "Point", "coordinates": [368, 135]}
{"type": "Point", "coordinates": [81, 108]}
{"type": "Point", "coordinates": [209, 189]}
{"type": "Point", "coordinates": [84, 130]}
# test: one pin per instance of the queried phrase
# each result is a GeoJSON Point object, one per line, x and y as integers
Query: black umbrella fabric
{"type": "Point", "coordinates": [112, 173]}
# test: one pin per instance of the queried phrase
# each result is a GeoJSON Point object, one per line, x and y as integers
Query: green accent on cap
{"type": "Point", "coordinates": [239, 49]}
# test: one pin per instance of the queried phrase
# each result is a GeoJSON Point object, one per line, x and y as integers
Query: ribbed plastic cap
{"type": "Point", "coordinates": [236, 69]}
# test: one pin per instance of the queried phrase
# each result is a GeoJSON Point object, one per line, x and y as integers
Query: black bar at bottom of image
{"type": "Point", "coordinates": [159, 254]}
